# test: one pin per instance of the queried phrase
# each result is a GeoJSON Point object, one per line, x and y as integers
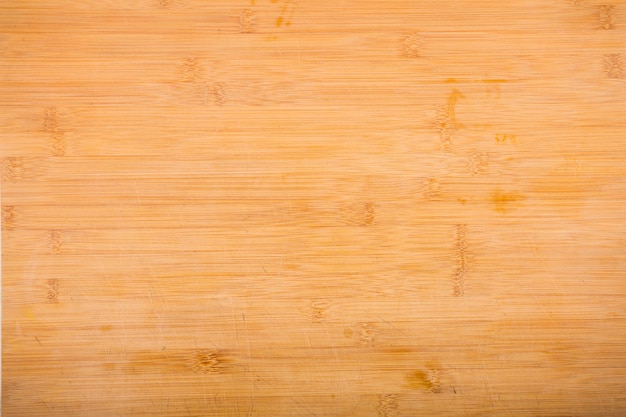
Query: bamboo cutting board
{"type": "Point", "coordinates": [313, 208]}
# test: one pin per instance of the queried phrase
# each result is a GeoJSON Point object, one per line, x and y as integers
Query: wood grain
{"type": "Point", "coordinates": [329, 208]}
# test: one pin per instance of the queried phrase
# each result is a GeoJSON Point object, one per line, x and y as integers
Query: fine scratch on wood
{"type": "Point", "coordinates": [396, 329]}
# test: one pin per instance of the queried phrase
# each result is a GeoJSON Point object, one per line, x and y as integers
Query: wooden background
{"type": "Point", "coordinates": [313, 208]}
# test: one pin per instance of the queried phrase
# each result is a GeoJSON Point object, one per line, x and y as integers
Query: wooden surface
{"type": "Point", "coordinates": [313, 208]}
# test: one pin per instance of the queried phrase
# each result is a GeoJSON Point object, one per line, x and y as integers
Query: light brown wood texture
{"type": "Point", "coordinates": [313, 208]}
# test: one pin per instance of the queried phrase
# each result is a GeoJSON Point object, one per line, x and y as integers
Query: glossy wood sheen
{"type": "Point", "coordinates": [313, 208]}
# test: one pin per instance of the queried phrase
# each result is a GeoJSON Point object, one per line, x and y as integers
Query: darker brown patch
{"type": "Point", "coordinates": [206, 361]}
{"type": "Point", "coordinates": [605, 17]}
{"type": "Point", "coordinates": [56, 242]}
{"type": "Point", "coordinates": [411, 45]}
{"type": "Point", "coordinates": [388, 406]}
{"type": "Point", "coordinates": [8, 217]}
{"type": "Point", "coordinates": [506, 138]}
{"type": "Point", "coordinates": [460, 246]}
{"type": "Point", "coordinates": [506, 200]}
{"type": "Point", "coordinates": [428, 380]}
{"type": "Point", "coordinates": [106, 328]}
{"type": "Point", "coordinates": [52, 291]}
{"type": "Point", "coordinates": [286, 14]}
{"type": "Point", "coordinates": [613, 66]}
{"type": "Point", "coordinates": [246, 21]}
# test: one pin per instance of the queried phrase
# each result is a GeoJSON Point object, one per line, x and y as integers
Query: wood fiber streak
{"type": "Point", "coordinates": [324, 208]}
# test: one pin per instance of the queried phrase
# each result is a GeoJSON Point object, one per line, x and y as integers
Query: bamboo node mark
{"type": "Point", "coordinates": [605, 16]}
{"type": "Point", "coordinates": [246, 21]}
{"type": "Point", "coordinates": [613, 66]}
{"type": "Point", "coordinates": [388, 406]}
{"type": "Point", "coordinates": [411, 45]}
{"type": "Point", "coordinates": [56, 242]}
{"type": "Point", "coordinates": [461, 248]}
{"type": "Point", "coordinates": [52, 291]}
{"type": "Point", "coordinates": [8, 217]}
